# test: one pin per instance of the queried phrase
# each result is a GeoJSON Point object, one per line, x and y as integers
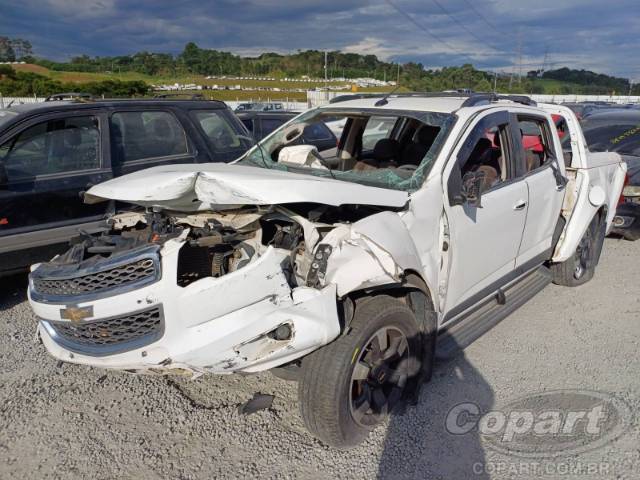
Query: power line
{"type": "Point", "coordinates": [467, 29]}
{"type": "Point", "coordinates": [482, 17]}
{"type": "Point", "coordinates": [435, 37]}
{"type": "Point", "coordinates": [426, 30]}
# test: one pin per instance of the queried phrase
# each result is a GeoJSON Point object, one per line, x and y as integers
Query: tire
{"type": "Point", "coordinates": [581, 266]}
{"type": "Point", "coordinates": [336, 386]}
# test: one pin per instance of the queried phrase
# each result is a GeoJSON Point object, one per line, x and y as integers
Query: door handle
{"type": "Point", "coordinates": [520, 205]}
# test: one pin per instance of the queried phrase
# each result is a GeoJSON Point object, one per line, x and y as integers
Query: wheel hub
{"type": "Point", "coordinates": [379, 376]}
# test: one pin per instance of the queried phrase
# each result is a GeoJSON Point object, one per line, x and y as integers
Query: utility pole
{"type": "Point", "coordinates": [519, 57]}
{"type": "Point", "coordinates": [544, 62]}
{"type": "Point", "coordinates": [325, 69]}
{"type": "Point", "coordinates": [495, 82]}
{"type": "Point", "coordinates": [398, 77]}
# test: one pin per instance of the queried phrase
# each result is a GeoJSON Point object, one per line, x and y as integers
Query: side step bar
{"type": "Point", "coordinates": [471, 325]}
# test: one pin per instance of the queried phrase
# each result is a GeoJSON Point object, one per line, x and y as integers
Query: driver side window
{"type": "Point", "coordinates": [489, 155]}
{"type": "Point", "coordinates": [52, 147]}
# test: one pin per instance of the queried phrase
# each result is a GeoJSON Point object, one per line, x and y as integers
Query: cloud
{"type": "Point", "coordinates": [492, 34]}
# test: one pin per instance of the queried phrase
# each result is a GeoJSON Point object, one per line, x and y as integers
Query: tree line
{"type": "Point", "coordinates": [412, 75]}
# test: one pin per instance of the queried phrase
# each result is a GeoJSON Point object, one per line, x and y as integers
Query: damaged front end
{"type": "Point", "coordinates": [242, 289]}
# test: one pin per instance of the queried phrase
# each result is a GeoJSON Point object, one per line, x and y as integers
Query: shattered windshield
{"type": "Point", "coordinates": [382, 148]}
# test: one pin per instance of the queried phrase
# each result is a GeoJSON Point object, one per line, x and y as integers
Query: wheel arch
{"type": "Point", "coordinates": [412, 289]}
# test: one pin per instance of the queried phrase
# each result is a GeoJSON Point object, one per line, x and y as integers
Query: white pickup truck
{"type": "Point", "coordinates": [350, 270]}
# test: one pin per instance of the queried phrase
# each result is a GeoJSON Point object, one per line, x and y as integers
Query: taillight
{"type": "Point", "coordinates": [626, 182]}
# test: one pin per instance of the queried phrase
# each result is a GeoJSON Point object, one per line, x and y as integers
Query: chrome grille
{"type": "Point", "coordinates": [141, 269]}
{"type": "Point", "coordinates": [110, 335]}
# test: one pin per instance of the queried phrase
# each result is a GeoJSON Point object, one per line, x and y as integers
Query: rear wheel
{"type": "Point", "coordinates": [348, 387]}
{"type": "Point", "coordinates": [580, 268]}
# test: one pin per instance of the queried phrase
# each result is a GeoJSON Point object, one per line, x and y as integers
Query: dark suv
{"type": "Point", "coordinates": [52, 152]}
{"type": "Point", "coordinates": [261, 124]}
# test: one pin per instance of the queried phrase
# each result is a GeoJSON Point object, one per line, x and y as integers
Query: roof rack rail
{"type": "Point", "coordinates": [190, 96]}
{"type": "Point", "coordinates": [56, 97]}
{"type": "Point", "coordinates": [472, 99]}
{"type": "Point", "coordinates": [486, 98]}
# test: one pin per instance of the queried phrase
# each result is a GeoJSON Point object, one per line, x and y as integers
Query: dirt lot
{"type": "Point", "coordinates": [66, 421]}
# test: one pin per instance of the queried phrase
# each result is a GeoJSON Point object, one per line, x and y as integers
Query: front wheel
{"type": "Point", "coordinates": [348, 387]}
{"type": "Point", "coordinates": [581, 266]}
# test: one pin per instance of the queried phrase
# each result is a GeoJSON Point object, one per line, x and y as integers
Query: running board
{"type": "Point", "coordinates": [471, 325]}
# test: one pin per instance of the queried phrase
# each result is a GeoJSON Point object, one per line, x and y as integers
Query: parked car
{"type": "Point", "coordinates": [619, 131]}
{"type": "Point", "coordinates": [261, 124]}
{"type": "Point", "coordinates": [339, 268]}
{"type": "Point", "coordinates": [51, 152]}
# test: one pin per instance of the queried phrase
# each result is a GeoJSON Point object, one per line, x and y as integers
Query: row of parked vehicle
{"type": "Point", "coordinates": [616, 128]}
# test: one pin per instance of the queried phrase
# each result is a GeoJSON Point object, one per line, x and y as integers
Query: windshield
{"type": "Point", "coordinates": [382, 148]}
{"type": "Point", "coordinates": [5, 116]}
{"type": "Point", "coordinates": [613, 135]}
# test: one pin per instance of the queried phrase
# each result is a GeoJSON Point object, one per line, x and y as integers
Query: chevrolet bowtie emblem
{"type": "Point", "coordinates": [76, 314]}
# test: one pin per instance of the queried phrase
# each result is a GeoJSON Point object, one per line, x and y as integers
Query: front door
{"type": "Point", "coordinates": [485, 239]}
{"type": "Point", "coordinates": [46, 165]}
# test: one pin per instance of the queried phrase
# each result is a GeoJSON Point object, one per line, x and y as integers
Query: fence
{"type": "Point", "coordinates": [6, 101]}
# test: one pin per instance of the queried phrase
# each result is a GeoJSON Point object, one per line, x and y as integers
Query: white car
{"type": "Point", "coordinates": [340, 270]}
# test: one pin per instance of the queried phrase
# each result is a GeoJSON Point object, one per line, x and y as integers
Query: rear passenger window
{"type": "Point", "coordinates": [316, 132]}
{"type": "Point", "coordinates": [141, 135]}
{"type": "Point", "coordinates": [269, 125]}
{"type": "Point", "coordinates": [220, 134]}
{"type": "Point", "coordinates": [56, 146]}
{"type": "Point", "coordinates": [534, 142]}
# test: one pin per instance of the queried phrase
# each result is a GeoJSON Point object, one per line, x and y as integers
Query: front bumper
{"type": "Point", "coordinates": [218, 325]}
{"type": "Point", "coordinates": [626, 222]}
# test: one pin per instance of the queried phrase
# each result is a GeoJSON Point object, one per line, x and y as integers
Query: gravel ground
{"type": "Point", "coordinates": [66, 421]}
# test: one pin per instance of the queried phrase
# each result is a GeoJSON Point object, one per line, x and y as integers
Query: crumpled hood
{"type": "Point", "coordinates": [207, 186]}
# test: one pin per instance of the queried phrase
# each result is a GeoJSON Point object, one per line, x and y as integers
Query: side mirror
{"type": "Point", "coordinates": [471, 191]}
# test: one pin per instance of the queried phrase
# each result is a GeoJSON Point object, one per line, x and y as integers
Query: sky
{"type": "Point", "coordinates": [492, 34]}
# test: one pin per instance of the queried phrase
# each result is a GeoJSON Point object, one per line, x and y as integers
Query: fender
{"type": "Point", "coordinates": [372, 252]}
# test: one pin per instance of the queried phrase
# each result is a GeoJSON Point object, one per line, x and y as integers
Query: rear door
{"type": "Point", "coordinates": [539, 166]}
{"type": "Point", "coordinates": [147, 137]}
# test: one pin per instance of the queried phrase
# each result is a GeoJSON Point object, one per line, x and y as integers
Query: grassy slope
{"type": "Point", "coordinates": [81, 77]}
